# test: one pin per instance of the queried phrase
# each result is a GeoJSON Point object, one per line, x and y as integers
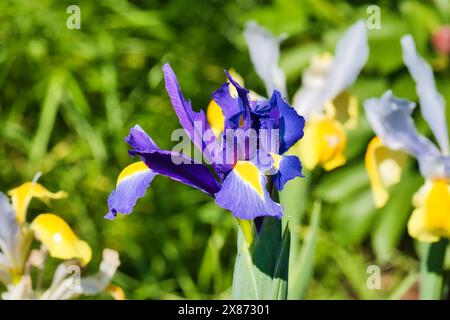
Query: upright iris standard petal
{"type": "Point", "coordinates": [384, 167]}
{"type": "Point", "coordinates": [265, 52]}
{"type": "Point", "coordinates": [392, 121]}
{"type": "Point", "coordinates": [180, 168]}
{"type": "Point", "coordinates": [306, 99]}
{"type": "Point", "coordinates": [228, 104]}
{"type": "Point", "coordinates": [287, 168]}
{"type": "Point", "coordinates": [291, 124]}
{"type": "Point", "coordinates": [132, 183]}
{"type": "Point", "coordinates": [351, 55]}
{"type": "Point", "coordinates": [242, 118]}
{"type": "Point", "coordinates": [59, 239]}
{"type": "Point", "coordinates": [432, 105]}
{"type": "Point", "coordinates": [244, 193]}
{"type": "Point", "coordinates": [22, 195]}
{"type": "Point", "coordinates": [194, 123]}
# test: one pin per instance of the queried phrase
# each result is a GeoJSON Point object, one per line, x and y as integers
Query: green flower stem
{"type": "Point", "coordinates": [247, 230]}
{"type": "Point", "coordinates": [432, 269]}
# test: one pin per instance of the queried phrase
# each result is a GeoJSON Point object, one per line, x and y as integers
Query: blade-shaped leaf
{"type": "Point", "coordinates": [303, 266]}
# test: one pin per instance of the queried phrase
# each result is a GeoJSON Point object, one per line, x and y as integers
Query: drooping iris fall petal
{"type": "Point", "coordinates": [132, 184]}
{"type": "Point", "coordinates": [244, 193]}
{"type": "Point", "coordinates": [384, 167]}
{"type": "Point", "coordinates": [180, 168]}
{"type": "Point", "coordinates": [59, 239]}
{"type": "Point", "coordinates": [391, 119]}
{"type": "Point", "coordinates": [324, 143]}
{"type": "Point", "coordinates": [431, 219]}
{"type": "Point", "coordinates": [287, 168]}
{"type": "Point", "coordinates": [291, 124]}
{"type": "Point", "coordinates": [22, 195]}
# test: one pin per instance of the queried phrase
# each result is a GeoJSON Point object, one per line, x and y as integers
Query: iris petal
{"type": "Point", "coordinates": [432, 104]}
{"type": "Point", "coordinates": [132, 183]}
{"type": "Point", "coordinates": [344, 108]}
{"type": "Point", "coordinates": [59, 239]}
{"type": "Point", "coordinates": [22, 195]}
{"type": "Point", "coordinates": [215, 117]}
{"type": "Point", "coordinates": [227, 95]}
{"type": "Point", "coordinates": [431, 219]}
{"type": "Point", "coordinates": [306, 99]}
{"type": "Point", "coordinates": [351, 54]}
{"type": "Point", "coordinates": [194, 123]}
{"type": "Point", "coordinates": [288, 167]}
{"type": "Point", "coordinates": [264, 51]}
{"type": "Point", "coordinates": [324, 144]}
{"type": "Point", "coordinates": [291, 124]}
{"type": "Point", "coordinates": [9, 232]}
{"type": "Point", "coordinates": [140, 140]}
{"type": "Point", "coordinates": [392, 121]}
{"type": "Point", "coordinates": [180, 168]}
{"type": "Point", "coordinates": [384, 167]}
{"type": "Point", "coordinates": [227, 103]}
{"type": "Point", "coordinates": [244, 193]}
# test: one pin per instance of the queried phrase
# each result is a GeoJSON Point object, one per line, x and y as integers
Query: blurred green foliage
{"type": "Point", "coordinates": [68, 97]}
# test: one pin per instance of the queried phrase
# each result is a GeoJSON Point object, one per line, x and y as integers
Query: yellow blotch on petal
{"type": "Point", "coordinates": [344, 108]}
{"type": "Point", "coordinates": [250, 174]}
{"type": "Point", "coordinates": [133, 168]}
{"type": "Point", "coordinates": [384, 168]}
{"type": "Point", "coordinates": [214, 113]}
{"type": "Point", "coordinates": [59, 239]}
{"type": "Point", "coordinates": [116, 292]}
{"type": "Point", "coordinates": [215, 118]}
{"type": "Point", "coordinates": [22, 195]}
{"type": "Point", "coordinates": [430, 221]}
{"type": "Point", "coordinates": [276, 160]}
{"type": "Point", "coordinates": [323, 143]}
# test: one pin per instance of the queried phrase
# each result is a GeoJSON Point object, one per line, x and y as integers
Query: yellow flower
{"type": "Point", "coordinates": [59, 239]}
{"type": "Point", "coordinates": [323, 144]}
{"type": "Point", "coordinates": [384, 167]}
{"type": "Point", "coordinates": [431, 219]}
{"type": "Point", "coordinates": [22, 195]}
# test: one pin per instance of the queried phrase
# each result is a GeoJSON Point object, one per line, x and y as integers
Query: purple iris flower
{"type": "Point", "coordinates": [239, 171]}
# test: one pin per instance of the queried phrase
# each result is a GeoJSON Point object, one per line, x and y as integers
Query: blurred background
{"type": "Point", "coordinates": [68, 98]}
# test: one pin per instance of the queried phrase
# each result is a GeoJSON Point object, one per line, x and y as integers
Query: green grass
{"type": "Point", "coordinates": [68, 97]}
